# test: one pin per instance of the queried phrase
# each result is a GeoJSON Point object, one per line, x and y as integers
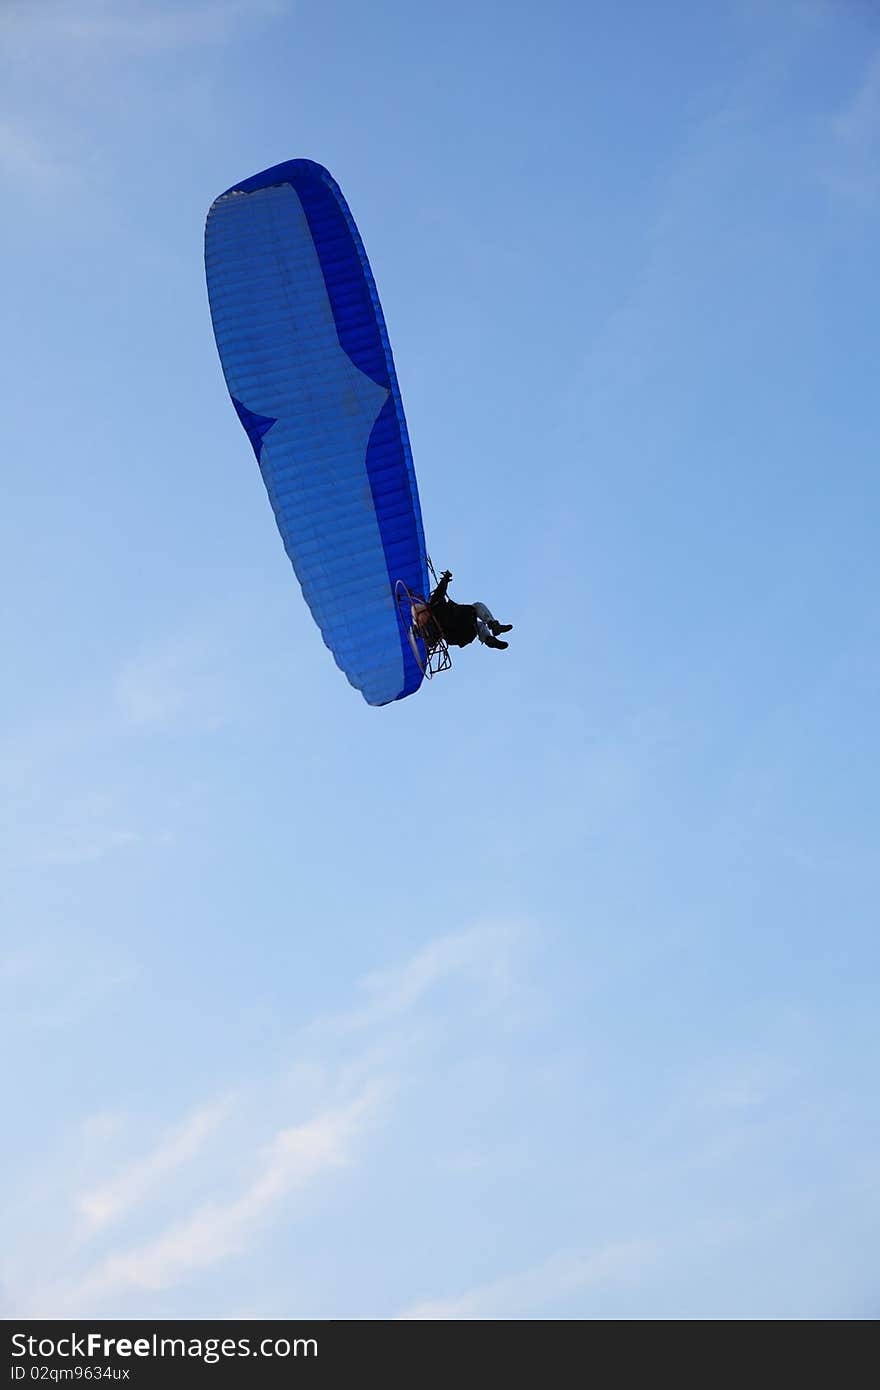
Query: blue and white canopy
{"type": "Point", "coordinates": [307, 360]}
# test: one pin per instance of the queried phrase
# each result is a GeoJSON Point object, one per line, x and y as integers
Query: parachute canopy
{"type": "Point", "coordinates": [306, 357]}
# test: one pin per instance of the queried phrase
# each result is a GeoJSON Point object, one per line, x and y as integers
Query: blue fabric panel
{"type": "Point", "coordinates": [307, 360]}
{"type": "Point", "coordinates": [255, 425]}
{"type": "Point", "coordinates": [355, 309]}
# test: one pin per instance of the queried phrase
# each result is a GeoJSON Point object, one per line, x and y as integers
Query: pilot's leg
{"type": "Point", "coordinates": [486, 618]}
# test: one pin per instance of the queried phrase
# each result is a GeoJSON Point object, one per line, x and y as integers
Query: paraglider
{"type": "Point", "coordinates": [307, 360]}
{"type": "Point", "coordinates": [306, 357]}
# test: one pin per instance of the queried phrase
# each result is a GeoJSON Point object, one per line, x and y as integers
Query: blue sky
{"type": "Point", "coordinates": [551, 992]}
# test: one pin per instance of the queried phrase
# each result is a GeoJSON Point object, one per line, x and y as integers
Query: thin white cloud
{"type": "Point", "coordinates": [150, 692]}
{"type": "Point", "coordinates": [103, 28]}
{"type": "Point", "coordinates": [524, 1295]}
{"type": "Point", "coordinates": [340, 1082]}
{"type": "Point", "coordinates": [102, 1205]}
{"type": "Point", "coordinates": [19, 964]}
{"type": "Point", "coordinates": [297, 1157]}
{"type": "Point", "coordinates": [101, 1127]}
{"type": "Point", "coordinates": [50, 825]}
{"type": "Point", "coordinates": [67, 981]}
{"type": "Point", "coordinates": [52, 51]}
{"type": "Point", "coordinates": [744, 1085]}
{"type": "Point", "coordinates": [482, 954]}
{"type": "Point", "coordinates": [79, 845]}
{"type": "Point", "coordinates": [23, 157]}
{"type": "Point", "coordinates": [173, 684]}
{"type": "Point", "coordinates": [851, 171]}
{"type": "Point", "coordinates": [859, 121]}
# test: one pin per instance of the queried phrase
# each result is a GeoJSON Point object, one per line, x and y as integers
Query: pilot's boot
{"type": "Point", "coordinates": [500, 627]}
{"type": "Point", "coordinates": [495, 642]}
